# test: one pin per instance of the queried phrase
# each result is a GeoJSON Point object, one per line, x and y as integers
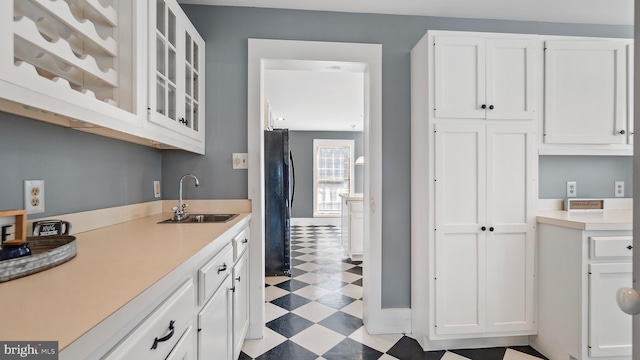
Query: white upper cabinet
{"type": "Point", "coordinates": [484, 78]}
{"type": "Point", "coordinates": [77, 59]}
{"type": "Point", "coordinates": [585, 92]}
{"type": "Point", "coordinates": [176, 72]}
{"type": "Point", "coordinates": [83, 64]}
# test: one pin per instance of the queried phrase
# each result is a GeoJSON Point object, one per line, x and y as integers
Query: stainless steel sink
{"type": "Point", "coordinates": [201, 218]}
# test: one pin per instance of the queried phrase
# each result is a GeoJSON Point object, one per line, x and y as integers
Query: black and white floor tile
{"type": "Point", "coordinates": [316, 313]}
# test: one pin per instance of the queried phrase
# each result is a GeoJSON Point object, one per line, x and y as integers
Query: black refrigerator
{"type": "Point", "coordinates": [279, 191]}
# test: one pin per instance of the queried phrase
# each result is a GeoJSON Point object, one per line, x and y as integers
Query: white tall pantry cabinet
{"type": "Point", "coordinates": [474, 188]}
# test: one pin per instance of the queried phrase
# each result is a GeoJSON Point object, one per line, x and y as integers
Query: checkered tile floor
{"type": "Point", "coordinates": [317, 313]}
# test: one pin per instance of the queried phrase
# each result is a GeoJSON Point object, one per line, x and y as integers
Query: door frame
{"type": "Point", "coordinates": [376, 319]}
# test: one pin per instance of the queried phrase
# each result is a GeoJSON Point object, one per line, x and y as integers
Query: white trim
{"type": "Point", "coordinates": [260, 51]}
{"type": "Point", "coordinates": [335, 221]}
{"type": "Point", "coordinates": [331, 143]}
{"type": "Point", "coordinates": [476, 343]}
{"type": "Point", "coordinates": [390, 321]}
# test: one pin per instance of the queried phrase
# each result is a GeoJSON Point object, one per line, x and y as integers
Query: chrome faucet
{"type": "Point", "coordinates": [180, 212]}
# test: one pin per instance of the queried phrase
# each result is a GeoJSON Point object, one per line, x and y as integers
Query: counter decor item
{"type": "Point", "coordinates": [28, 255]}
{"type": "Point", "coordinates": [18, 246]}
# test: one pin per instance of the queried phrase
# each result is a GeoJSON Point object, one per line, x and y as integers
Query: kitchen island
{"type": "Point", "coordinates": [584, 257]}
{"type": "Point", "coordinates": [120, 275]}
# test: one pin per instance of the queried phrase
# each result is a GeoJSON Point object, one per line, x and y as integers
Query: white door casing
{"type": "Point", "coordinates": [376, 319]}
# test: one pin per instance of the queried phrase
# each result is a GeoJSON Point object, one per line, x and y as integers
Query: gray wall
{"type": "Point", "coordinates": [301, 143]}
{"type": "Point", "coordinates": [81, 171]}
{"type": "Point", "coordinates": [595, 176]}
{"type": "Point", "coordinates": [84, 172]}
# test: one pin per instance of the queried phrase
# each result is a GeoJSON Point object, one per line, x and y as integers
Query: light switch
{"type": "Point", "coordinates": [240, 161]}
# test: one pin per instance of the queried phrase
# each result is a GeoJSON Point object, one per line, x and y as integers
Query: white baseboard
{"type": "Point", "coordinates": [472, 343]}
{"type": "Point", "coordinates": [316, 221]}
{"type": "Point", "coordinates": [389, 321]}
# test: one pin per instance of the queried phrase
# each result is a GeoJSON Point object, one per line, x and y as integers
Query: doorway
{"type": "Point", "coordinates": [261, 53]}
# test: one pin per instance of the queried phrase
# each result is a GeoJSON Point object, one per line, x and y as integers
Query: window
{"type": "Point", "coordinates": [333, 171]}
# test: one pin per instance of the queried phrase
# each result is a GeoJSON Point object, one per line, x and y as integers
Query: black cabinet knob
{"type": "Point", "coordinates": [622, 132]}
{"type": "Point", "coordinates": [483, 106]}
{"type": "Point", "coordinates": [629, 247]}
{"type": "Point", "coordinates": [490, 107]}
{"type": "Point", "coordinates": [491, 228]}
{"type": "Point", "coordinates": [483, 228]}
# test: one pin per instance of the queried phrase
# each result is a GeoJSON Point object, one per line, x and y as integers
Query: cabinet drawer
{"type": "Point", "coordinates": [611, 247]}
{"type": "Point", "coordinates": [211, 275]}
{"type": "Point", "coordinates": [159, 333]}
{"type": "Point", "coordinates": [240, 244]}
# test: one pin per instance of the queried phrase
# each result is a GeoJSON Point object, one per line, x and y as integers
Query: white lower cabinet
{"type": "Point", "coordinates": [185, 349]}
{"type": "Point", "coordinates": [160, 332]}
{"type": "Point", "coordinates": [580, 272]}
{"type": "Point", "coordinates": [205, 314]}
{"type": "Point", "coordinates": [609, 327]}
{"type": "Point", "coordinates": [240, 303]}
{"type": "Point", "coordinates": [215, 325]}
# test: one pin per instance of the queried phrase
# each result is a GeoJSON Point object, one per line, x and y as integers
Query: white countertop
{"type": "Point", "coordinates": [614, 219]}
{"type": "Point", "coordinates": [113, 265]}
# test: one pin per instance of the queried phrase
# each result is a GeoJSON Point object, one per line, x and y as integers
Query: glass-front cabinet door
{"type": "Point", "coordinates": [193, 83]}
{"type": "Point", "coordinates": [176, 59]}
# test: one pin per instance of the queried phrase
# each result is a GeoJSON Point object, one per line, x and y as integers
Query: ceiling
{"type": "Point", "coordinates": [315, 95]}
{"type": "Point", "coordinates": [612, 12]}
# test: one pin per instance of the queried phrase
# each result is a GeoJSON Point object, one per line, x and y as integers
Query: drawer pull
{"type": "Point", "coordinates": [629, 247]}
{"type": "Point", "coordinates": [165, 338]}
{"type": "Point", "coordinates": [222, 268]}
{"type": "Point", "coordinates": [245, 240]}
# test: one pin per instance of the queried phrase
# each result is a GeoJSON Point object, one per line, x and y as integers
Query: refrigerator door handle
{"type": "Point", "coordinates": [293, 172]}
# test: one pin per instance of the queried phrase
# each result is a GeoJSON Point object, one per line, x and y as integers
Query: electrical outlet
{"type": "Point", "coordinates": [572, 189]}
{"type": "Point", "coordinates": [619, 189]}
{"type": "Point", "coordinates": [34, 196]}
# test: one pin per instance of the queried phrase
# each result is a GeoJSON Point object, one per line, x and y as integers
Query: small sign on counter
{"type": "Point", "coordinates": [584, 204]}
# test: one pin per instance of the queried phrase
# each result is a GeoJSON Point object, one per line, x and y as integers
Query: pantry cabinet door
{"type": "Point", "coordinates": [459, 77]}
{"type": "Point", "coordinates": [585, 92]}
{"type": "Point", "coordinates": [511, 181]}
{"type": "Point", "coordinates": [459, 241]}
{"type": "Point", "coordinates": [511, 69]}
